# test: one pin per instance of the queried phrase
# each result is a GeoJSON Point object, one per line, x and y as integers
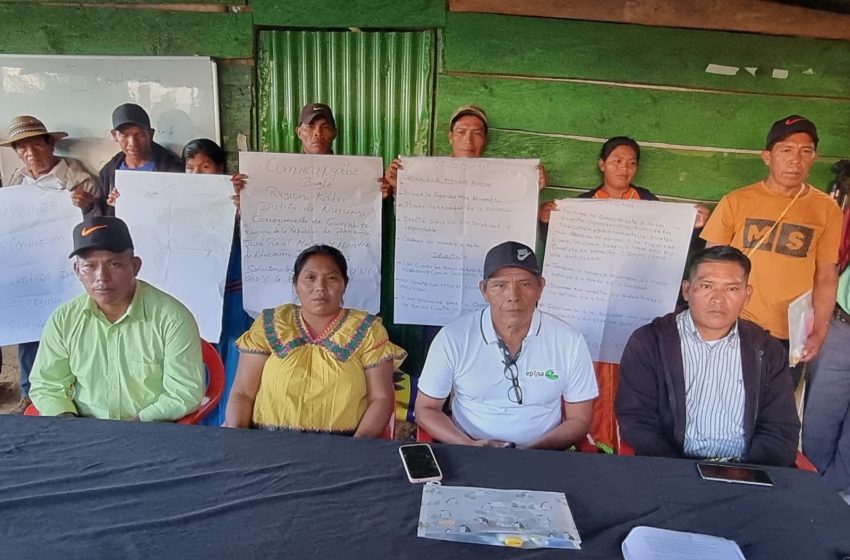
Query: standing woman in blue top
{"type": "Point", "coordinates": [205, 156]}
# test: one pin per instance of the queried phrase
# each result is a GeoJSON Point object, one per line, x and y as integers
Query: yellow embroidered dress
{"type": "Point", "coordinates": [315, 383]}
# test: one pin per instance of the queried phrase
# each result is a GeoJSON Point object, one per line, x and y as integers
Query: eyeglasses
{"type": "Point", "coordinates": [512, 374]}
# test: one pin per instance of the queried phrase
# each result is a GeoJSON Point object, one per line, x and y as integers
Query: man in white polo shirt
{"type": "Point", "coordinates": [508, 366]}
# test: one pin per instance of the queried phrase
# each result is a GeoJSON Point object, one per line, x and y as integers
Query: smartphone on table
{"type": "Point", "coordinates": [730, 472]}
{"type": "Point", "coordinates": [419, 463]}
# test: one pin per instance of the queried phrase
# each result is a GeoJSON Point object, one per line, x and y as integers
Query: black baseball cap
{"type": "Point", "coordinates": [510, 253]}
{"type": "Point", "coordinates": [311, 111]}
{"type": "Point", "coordinates": [101, 232]}
{"type": "Point", "coordinates": [789, 125]}
{"type": "Point", "coordinates": [130, 113]}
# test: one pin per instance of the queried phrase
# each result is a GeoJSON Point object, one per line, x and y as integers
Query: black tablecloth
{"type": "Point", "coordinates": [76, 488]}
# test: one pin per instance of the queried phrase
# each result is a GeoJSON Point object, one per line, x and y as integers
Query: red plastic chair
{"type": "Point", "coordinates": [215, 385]}
{"type": "Point", "coordinates": [800, 462]}
{"type": "Point", "coordinates": [212, 396]}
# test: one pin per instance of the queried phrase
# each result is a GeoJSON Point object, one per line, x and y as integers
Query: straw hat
{"type": "Point", "coordinates": [26, 126]}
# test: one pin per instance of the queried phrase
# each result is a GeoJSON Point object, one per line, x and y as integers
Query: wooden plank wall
{"type": "Point", "coordinates": [824, 19]}
{"type": "Point", "coordinates": [556, 89]}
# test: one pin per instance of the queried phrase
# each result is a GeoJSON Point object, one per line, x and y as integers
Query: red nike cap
{"type": "Point", "coordinates": [787, 126]}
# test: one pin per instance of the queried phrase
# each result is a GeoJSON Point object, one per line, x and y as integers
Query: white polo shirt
{"type": "Point", "coordinates": [465, 358]}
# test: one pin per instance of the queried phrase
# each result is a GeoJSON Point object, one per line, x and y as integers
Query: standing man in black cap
{"type": "Point", "coordinates": [791, 232]}
{"type": "Point", "coordinates": [316, 129]}
{"type": "Point", "coordinates": [131, 129]}
{"type": "Point", "coordinates": [509, 367]}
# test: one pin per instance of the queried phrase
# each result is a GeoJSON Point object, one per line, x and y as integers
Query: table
{"type": "Point", "coordinates": [89, 489]}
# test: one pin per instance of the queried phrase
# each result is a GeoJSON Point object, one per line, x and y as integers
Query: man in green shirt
{"type": "Point", "coordinates": [124, 350]}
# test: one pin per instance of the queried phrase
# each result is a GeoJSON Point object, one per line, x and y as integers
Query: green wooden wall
{"type": "Point", "coordinates": [555, 89]}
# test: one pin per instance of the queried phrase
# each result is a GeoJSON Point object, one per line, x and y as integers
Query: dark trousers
{"type": "Point", "coordinates": [26, 358]}
{"type": "Point", "coordinates": [826, 426]}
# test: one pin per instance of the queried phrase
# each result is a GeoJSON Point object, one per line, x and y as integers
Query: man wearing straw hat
{"type": "Point", "coordinates": [790, 231]}
{"type": "Point", "coordinates": [35, 145]}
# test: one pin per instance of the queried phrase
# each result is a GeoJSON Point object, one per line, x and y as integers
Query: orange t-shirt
{"type": "Point", "coordinates": [631, 194]}
{"type": "Point", "coordinates": [784, 264]}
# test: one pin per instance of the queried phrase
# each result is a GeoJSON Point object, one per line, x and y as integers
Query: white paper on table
{"type": "Point", "coordinates": [36, 276]}
{"type": "Point", "coordinates": [449, 213]}
{"type": "Point", "coordinates": [613, 266]}
{"type": "Point", "coordinates": [801, 321]}
{"type": "Point", "coordinates": [294, 201]}
{"type": "Point", "coordinates": [650, 543]}
{"type": "Point", "coordinates": [182, 229]}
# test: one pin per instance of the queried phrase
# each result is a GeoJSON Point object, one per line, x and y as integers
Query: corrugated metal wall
{"type": "Point", "coordinates": [380, 86]}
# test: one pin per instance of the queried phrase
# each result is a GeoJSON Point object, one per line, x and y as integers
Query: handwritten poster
{"type": "Point", "coordinates": [182, 228]}
{"type": "Point", "coordinates": [613, 266]}
{"type": "Point", "coordinates": [449, 213]}
{"type": "Point", "coordinates": [294, 201]}
{"type": "Point", "coordinates": [36, 276]}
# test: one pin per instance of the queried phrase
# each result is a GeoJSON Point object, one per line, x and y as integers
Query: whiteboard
{"type": "Point", "coordinates": [77, 94]}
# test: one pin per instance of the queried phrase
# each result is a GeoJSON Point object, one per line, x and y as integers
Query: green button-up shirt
{"type": "Point", "coordinates": [146, 364]}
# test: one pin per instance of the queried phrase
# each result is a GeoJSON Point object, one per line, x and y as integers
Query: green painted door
{"type": "Point", "coordinates": [380, 86]}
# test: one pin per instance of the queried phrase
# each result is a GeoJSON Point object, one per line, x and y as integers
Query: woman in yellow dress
{"type": "Point", "coordinates": [316, 366]}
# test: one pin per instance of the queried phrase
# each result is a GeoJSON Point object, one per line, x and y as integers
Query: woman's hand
{"type": "Point", "coordinates": [240, 405]}
{"type": "Point", "coordinates": [380, 396]}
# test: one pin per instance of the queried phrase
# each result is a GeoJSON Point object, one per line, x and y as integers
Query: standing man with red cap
{"type": "Point", "coordinates": [131, 129]}
{"type": "Point", "coordinates": [791, 232]}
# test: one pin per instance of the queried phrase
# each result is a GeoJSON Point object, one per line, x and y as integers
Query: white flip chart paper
{"type": "Point", "coordinates": [294, 201]}
{"type": "Point", "coordinates": [449, 213]}
{"type": "Point", "coordinates": [613, 266]}
{"type": "Point", "coordinates": [36, 276]}
{"type": "Point", "coordinates": [182, 228]}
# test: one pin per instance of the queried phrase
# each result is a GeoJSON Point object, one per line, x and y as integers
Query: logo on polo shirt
{"type": "Point", "coordinates": [548, 374]}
